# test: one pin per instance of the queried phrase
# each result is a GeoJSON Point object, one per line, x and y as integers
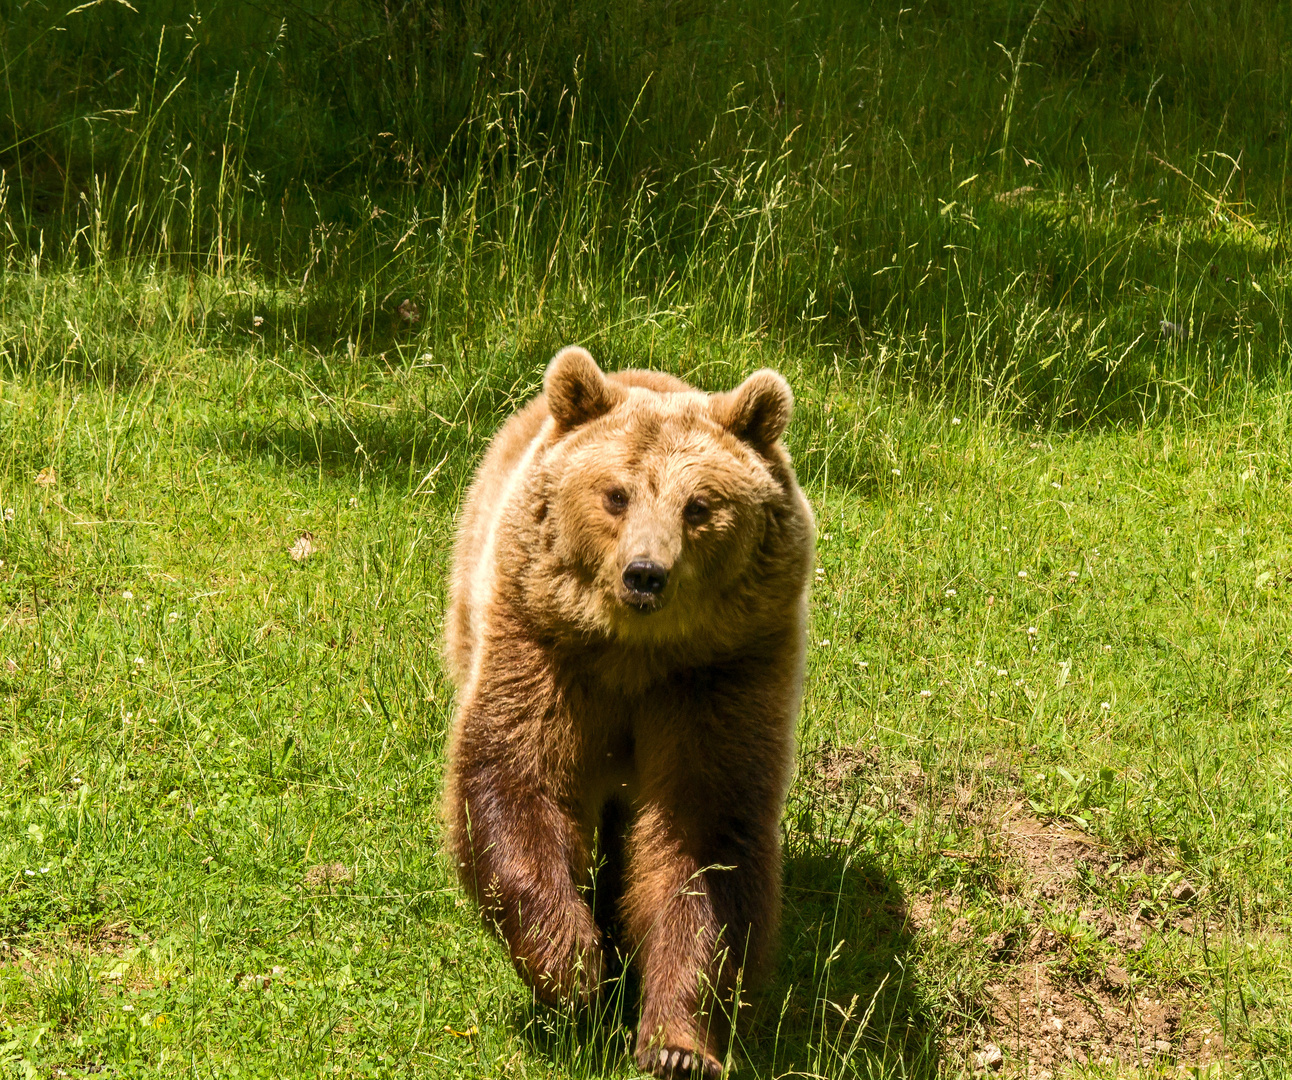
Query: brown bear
{"type": "Point", "coordinates": [626, 631]}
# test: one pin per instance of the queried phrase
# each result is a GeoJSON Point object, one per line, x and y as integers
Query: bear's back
{"type": "Point", "coordinates": [500, 473]}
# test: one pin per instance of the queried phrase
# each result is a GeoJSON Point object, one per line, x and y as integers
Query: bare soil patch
{"type": "Point", "coordinates": [1063, 984]}
{"type": "Point", "coordinates": [1040, 1022]}
{"type": "Point", "coordinates": [1047, 1004]}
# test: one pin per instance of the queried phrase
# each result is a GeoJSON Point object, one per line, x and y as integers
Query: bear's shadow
{"type": "Point", "coordinates": [843, 999]}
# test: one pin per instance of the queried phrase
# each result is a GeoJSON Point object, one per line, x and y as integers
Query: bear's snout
{"type": "Point", "coordinates": [645, 581]}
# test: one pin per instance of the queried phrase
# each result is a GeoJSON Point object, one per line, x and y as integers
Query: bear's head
{"type": "Point", "coordinates": [665, 513]}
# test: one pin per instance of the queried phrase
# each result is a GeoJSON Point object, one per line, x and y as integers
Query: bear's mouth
{"type": "Point", "coordinates": [642, 603]}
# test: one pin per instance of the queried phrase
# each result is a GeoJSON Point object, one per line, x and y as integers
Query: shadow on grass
{"type": "Point", "coordinates": [407, 448]}
{"type": "Point", "coordinates": [412, 419]}
{"type": "Point", "coordinates": [585, 1043]}
{"type": "Point", "coordinates": [844, 1000]}
{"type": "Point", "coordinates": [115, 363]}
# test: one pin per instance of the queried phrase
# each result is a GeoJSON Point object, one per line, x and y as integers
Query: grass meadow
{"type": "Point", "coordinates": [269, 280]}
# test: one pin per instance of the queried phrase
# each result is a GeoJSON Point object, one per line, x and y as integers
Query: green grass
{"type": "Point", "coordinates": [1051, 653]}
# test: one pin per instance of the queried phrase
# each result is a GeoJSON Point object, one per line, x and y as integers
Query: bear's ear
{"type": "Point", "coordinates": [576, 389]}
{"type": "Point", "coordinates": [758, 410]}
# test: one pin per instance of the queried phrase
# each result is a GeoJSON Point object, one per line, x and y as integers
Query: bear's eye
{"type": "Point", "coordinates": [697, 511]}
{"type": "Point", "coordinates": [616, 500]}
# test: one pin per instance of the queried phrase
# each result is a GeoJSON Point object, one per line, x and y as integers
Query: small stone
{"type": "Point", "coordinates": [303, 548]}
{"type": "Point", "coordinates": [990, 1057]}
{"type": "Point", "coordinates": [1184, 892]}
{"type": "Point", "coordinates": [1058, 1024]}
{"type": "Point", "coordinates": [1162, 1046]}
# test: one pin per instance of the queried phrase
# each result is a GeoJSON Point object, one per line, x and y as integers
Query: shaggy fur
{"type": "Point", "coordinates": [627, 628]}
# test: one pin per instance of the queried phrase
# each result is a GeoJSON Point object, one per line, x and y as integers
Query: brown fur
{"type": "Point", "coordinates": [575, 689]}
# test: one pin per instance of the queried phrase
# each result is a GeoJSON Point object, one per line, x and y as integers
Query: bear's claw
{"type": "Point", "coordinates": [670, 1063]}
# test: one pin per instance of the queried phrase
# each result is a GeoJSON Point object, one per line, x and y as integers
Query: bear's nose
{"type": "Point", "coordinates": [645, 577]}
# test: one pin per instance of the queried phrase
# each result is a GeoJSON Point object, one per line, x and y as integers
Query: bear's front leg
{"type": "Point", "coordinates": [515, 848]}
{"type": "Point", "coordinates": [702, 904]}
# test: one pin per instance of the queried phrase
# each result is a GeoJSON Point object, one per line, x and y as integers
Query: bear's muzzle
{"type": "Point", "coordinates": [644, 583]}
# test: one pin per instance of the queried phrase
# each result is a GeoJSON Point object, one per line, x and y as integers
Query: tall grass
{"type": "Point", "coordinates": [1073, 211]}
